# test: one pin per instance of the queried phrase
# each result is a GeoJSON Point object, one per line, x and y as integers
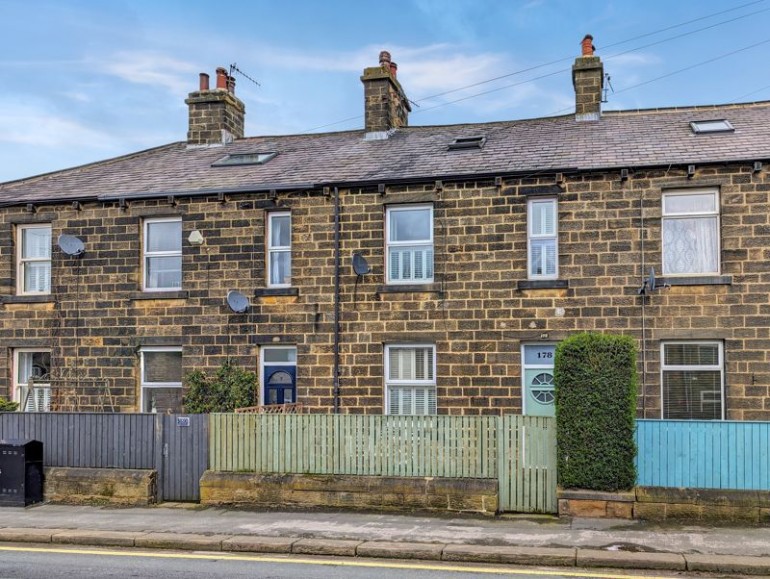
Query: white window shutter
{"type": "Point", "coordinates": [395, 265]}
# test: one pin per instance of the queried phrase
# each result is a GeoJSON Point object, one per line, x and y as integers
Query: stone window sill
{"type": "Point", "coordinates": [535, 284]}
{"type": "Point", "coordinates": [410, 288]}
{"type": "Point", "coordinates": [175, 295]}
{"type": "Point", "coordinates": [276, 291]}
{"type": "Point", "coordinates": [41, 299]}
{"type": "Point", "coordinates": [695, 280]}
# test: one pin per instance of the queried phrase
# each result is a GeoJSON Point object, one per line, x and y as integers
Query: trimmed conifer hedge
{"type": "Point", "coordinates": [596, 389]}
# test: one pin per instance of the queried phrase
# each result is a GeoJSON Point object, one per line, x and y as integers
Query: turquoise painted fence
{"type": "Point", "coordinates": [703, 454]}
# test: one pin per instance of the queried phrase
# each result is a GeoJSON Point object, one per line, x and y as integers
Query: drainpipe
{"type": "Point", "coordinates": [644, 314]}
{"type": "Point", "coordinates": [336, 300]}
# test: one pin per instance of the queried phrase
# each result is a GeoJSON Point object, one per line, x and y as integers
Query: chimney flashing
{"type": "Point", "coordinates": [379, 135]}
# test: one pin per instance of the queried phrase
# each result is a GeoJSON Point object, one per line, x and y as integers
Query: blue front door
{"type": "Point", "coordinates": [280, 384]}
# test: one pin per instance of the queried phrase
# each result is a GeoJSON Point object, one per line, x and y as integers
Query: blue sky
{"type": "Point", "coordinates": [85, 81]}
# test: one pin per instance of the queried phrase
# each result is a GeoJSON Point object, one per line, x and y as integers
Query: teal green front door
{"type": "Point", "coordinates": [537, 377]}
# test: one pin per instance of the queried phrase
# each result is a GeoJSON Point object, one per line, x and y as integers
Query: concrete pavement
{"type": "Point", "coordinates": [510, 539]}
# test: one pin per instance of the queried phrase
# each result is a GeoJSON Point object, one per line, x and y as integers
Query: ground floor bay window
{"type": "Point", "coordinates": [410, 379]}
{"type": "Point", "coordinates": [692, 380]}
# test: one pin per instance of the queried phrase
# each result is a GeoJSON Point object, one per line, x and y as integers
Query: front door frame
{"type": "Point", "coordinates": [525, 367]}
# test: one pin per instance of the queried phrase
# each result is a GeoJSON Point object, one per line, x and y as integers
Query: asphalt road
{"type": "Point", "coordinates": [17, 562]}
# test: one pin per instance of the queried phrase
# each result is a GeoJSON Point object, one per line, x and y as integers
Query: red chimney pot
{"type": "Point", "coordinates": [221, 78]}
{"type": "Point", "coordinates": [393, 69]}
{"type": "Point", "coordinates": [204, 81]}
{"type": "Point", "coordinates": [588, 45]}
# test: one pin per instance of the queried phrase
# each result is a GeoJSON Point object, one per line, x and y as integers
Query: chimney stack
{"type": "Point", "coordinates": [588, 80]}
{"type": "Point", "coordinates": [215, 116]}
{"type": "Point", "coordinates": [385, 104]}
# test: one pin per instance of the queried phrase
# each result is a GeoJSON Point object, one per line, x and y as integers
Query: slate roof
{"type": "Point", "coordinates": [622, 139]}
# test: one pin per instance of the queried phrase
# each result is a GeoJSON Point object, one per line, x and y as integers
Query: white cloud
{"type": "Point", "coordinates": [632, 59]}
{"type": "Point", "coordinates": [78, 96]}
{"type": "Point", "coordinates": [431, 74]}
{"type": "Point", "coordinates": [151, 68]}
{"type": "Point", "coordinates": [30, 125]}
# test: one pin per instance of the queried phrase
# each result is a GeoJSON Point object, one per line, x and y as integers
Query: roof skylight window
{"type": "Point", "coordinates": [244, 159]}
{"type": "Point", "coordinates": [461, 143]}
{"type": "Point", "coordinates": [712, 126]}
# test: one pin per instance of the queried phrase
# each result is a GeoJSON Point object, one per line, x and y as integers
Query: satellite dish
{"type": "Point", "coordinates": [360, 266]}
{"type": "Point", "coordinates": [651, 279]}
{"type": "Point", "coordinates": [71, 245]}
{"type": "Point", "coordinates": [648, 285]}
{"type": "Point", "coordinates": [237, 302]}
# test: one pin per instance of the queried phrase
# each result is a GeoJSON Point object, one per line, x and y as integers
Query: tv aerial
{"type": "Point", "coordinates": [237, 302]}
{"type": "Point", "coordinates": [71, 245]}
{"type": "Point", "coordinates": [234, 68]}
{"type": "Point", "coordinates": [649, 284]}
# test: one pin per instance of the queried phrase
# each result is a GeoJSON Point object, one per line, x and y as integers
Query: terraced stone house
{"type": "Point", "coordinates": [398, 269]}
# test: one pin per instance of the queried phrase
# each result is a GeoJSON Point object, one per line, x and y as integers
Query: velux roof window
{"type": "Point", "coordinates": [244, 159]}
{"type": "Point", "coordinates": [461, 143]}
{"type": "Point", "coordinates": [712, 126]}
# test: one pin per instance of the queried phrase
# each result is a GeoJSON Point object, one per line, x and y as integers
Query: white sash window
{"type": "Point", "coordinates": [410, 379]}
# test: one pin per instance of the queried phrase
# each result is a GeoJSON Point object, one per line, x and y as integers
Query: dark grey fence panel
{"type": "Point", "coordinates": [86, 440]}
{"type": "Point", "coordinates": [185, 452]}
{"type": "Point", "coordinates": [185, 455]}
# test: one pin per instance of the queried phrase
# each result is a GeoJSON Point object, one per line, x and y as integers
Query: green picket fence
{"type": "Point", "coordinates": [527, 464]}
{"type": "Point", "coordinates": [520, 451]}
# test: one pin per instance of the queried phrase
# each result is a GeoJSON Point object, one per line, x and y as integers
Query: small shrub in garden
{"type": "Point", "coordinates": [7, 405]}
{"type": "Point", "coordinates": [596, 390]}
{"type": "Point", "coordinates": [230, 388]}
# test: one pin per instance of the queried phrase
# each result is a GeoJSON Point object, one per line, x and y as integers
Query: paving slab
{"type": "Point", "coordinates": [186, 541]}
{"type": "Point", "coordinates": [729, 564]}
{"type": "Point", "coordinates": [25, 535]}
{"type": "Point", "coordinates": [401, 550]}
{"type": "Point", "coordinates": [341, 547]}
{"type": "Point", "coordinates": [630, 560]}
{"type": "Point", "coordinates": [552, 556]}
{"type": "Point", "coordinates": [250, 544]}
{"type": "Point", "coordinates": [95, 538]}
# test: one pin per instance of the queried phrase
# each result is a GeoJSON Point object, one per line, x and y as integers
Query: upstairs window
{"type": "Point", "coordinates": [279, 249]}
{"type": "Point", "coordinates": [409, 244]}
{"type": "Point", "coordinates": [34, 259]}
{"type": "Point", "coordinates": [163, 254]}
{"type": "Point", "coordinates": [410, 379]}
{"type": "Point", "coordinates": [542, 239]}
{"type": "Point", "coordinates": [690, 227]}
{"type": "Point", "coordinates": [692, 381]}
